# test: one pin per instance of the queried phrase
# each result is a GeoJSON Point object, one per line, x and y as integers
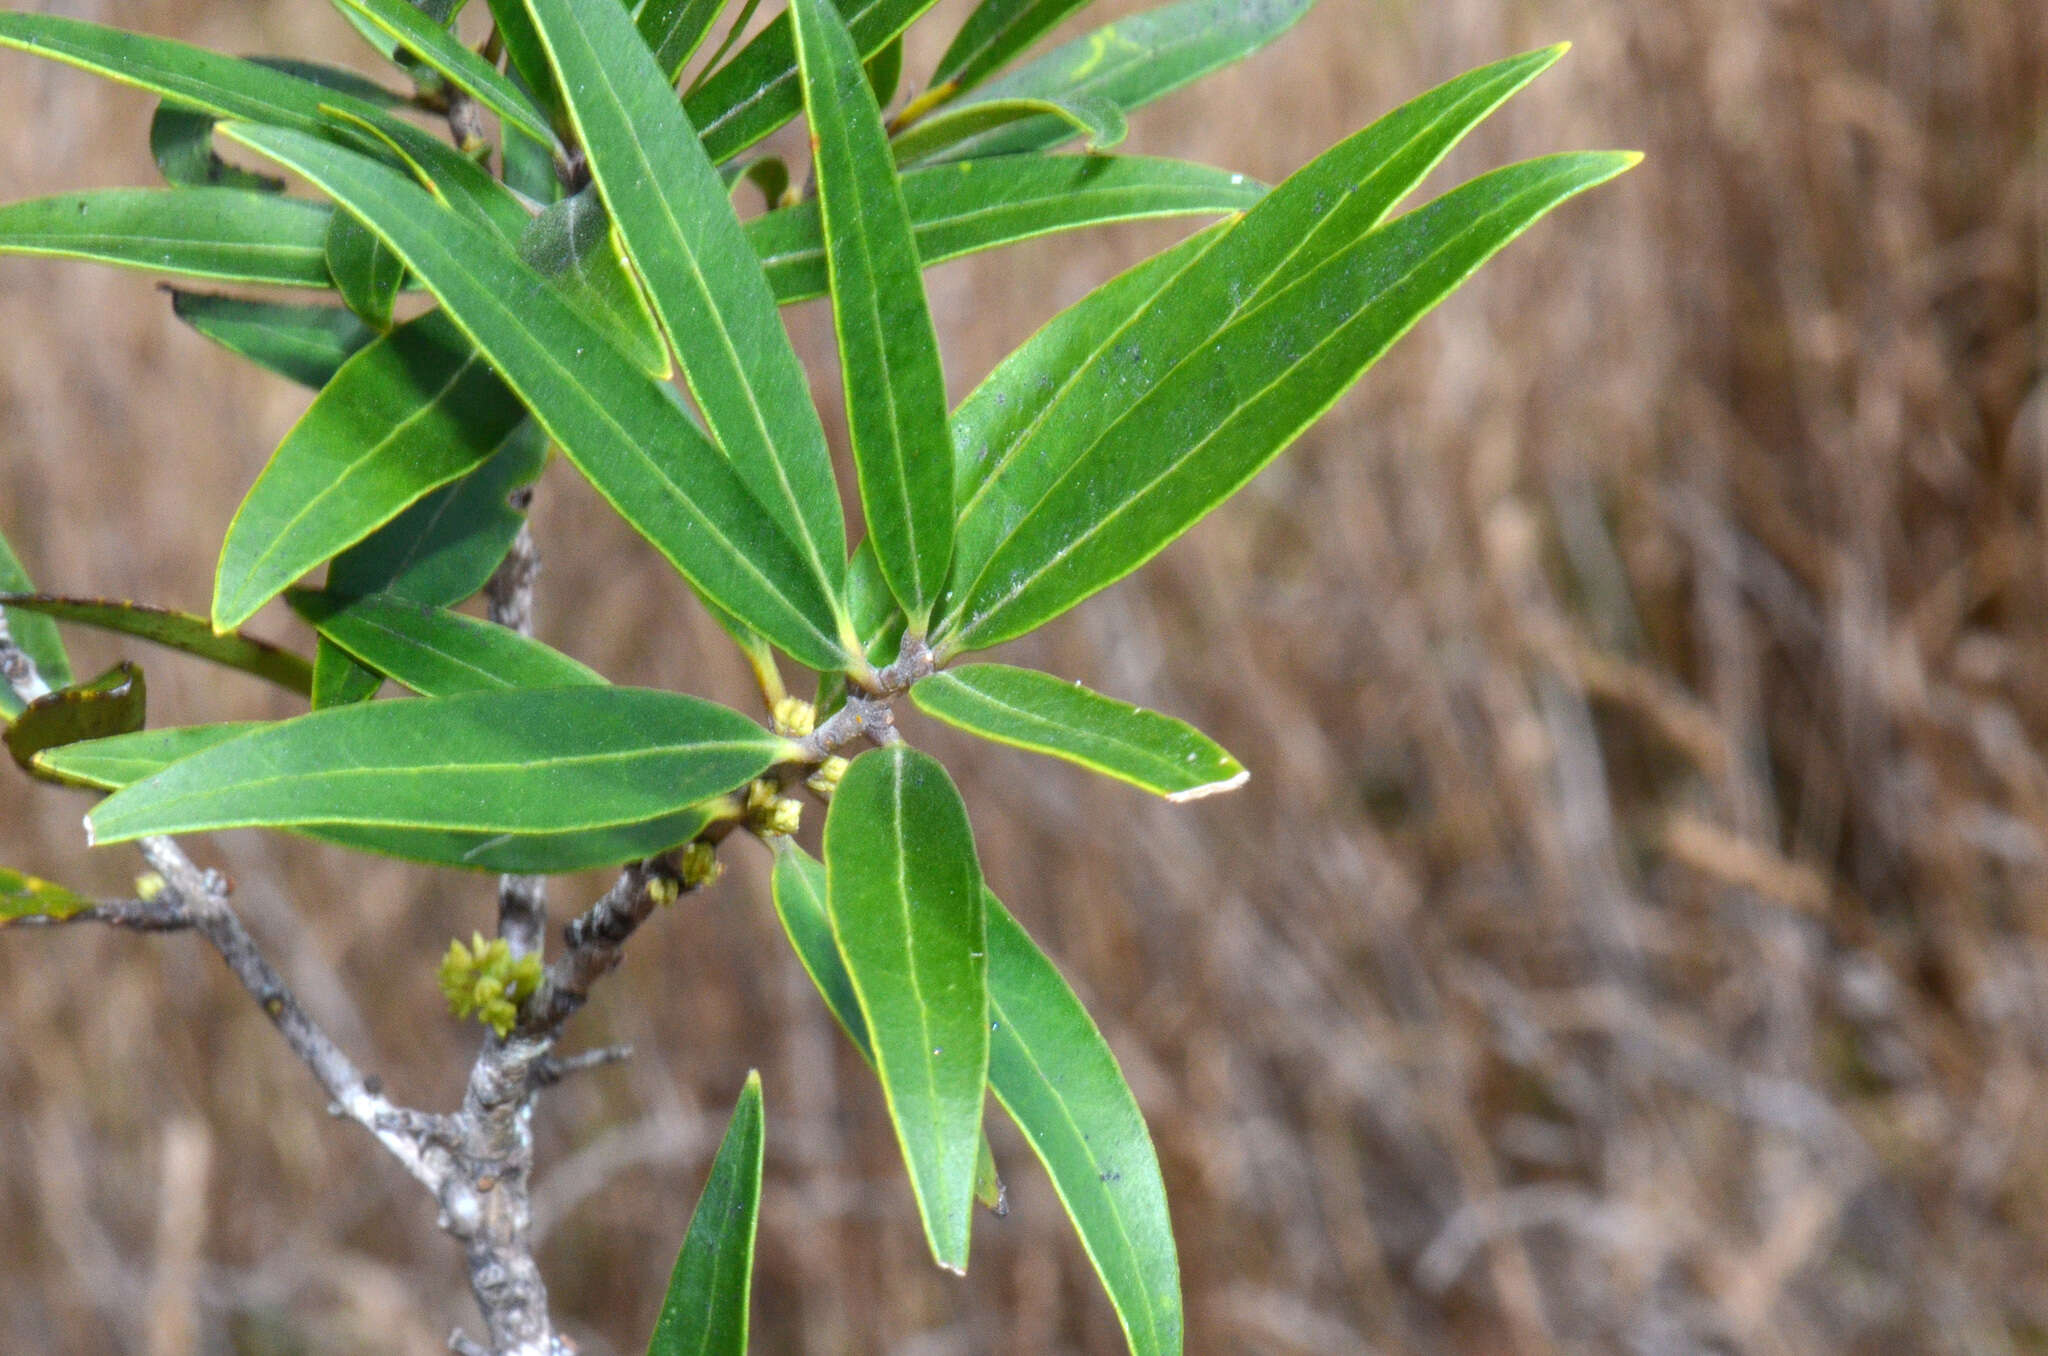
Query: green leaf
{"type": "Point", "coordinates": [572, 243]}
{"type": "Point", "coordinates": [739, 24]}
{"type": "Point", "coordinates": [960, 208]}
{"type": "Point", "coordinates": [1132, 62]}
{"type": "Point", "coordinates": [181, 143]}
{"type": "Point", "coordinates": [1033, 710]}
{"type": "Point", "coordinates": [114, 703]}
{"type": "Point", "coordinates": [456, 181]}
{"type": "Point", "coordinates": [307, 344]}
{"type": "Point", "coordinates": [432, 650]}
{"type": "Point", "coordinates": [705, 1311]}
{"type": "Point", "coordinates": [675, 218]}
{"type": "Point", "coordinates": [114, 763]}
{"type": "Point", "coordinates": [438, 47]}
{"type": "Point", "coordinates": [904, 894]}
{"type": "Point", "coordinates": [34, 634]}
{"type": "Point", "coordinates": [995, 32]}
{"type": "Point", "coordinates": [1100, 123]}
{"type": "Point", "coordinates": [366, 274]}
{"type": "Point", "coordinates": [674, 29]}
{"type": "Point", "coordinates": [339, 678]}
{"type": "Point", "coordinates": [1054, 1074]}
{"type": "Point", "coordinates": [208, 82]}
{"type": "Point", "coordinates": [629, 435]}
{"type": "Point", "coordinates": [175, 630]}
{"type": "Point", "coordinates": [408, 413]}
{"type": "Point", "coordinates": [25, 896]}
{"type": "Point", "coordinates": [769, 174]}
{"type": "Point", "coordinates": [888, 353]}
{"type": "Point", "coordinates": [885, 71]}
{"type": "Point", "coordinates": [520, 760]}
{"type": "Point", "coordinates": [877, 620]}
{"type": "Point", "coordinates": [221, 233]}
{"type": "Point", "coordinates": [529, 62]}
{"type": "Point", "coordinates": [759, 90]}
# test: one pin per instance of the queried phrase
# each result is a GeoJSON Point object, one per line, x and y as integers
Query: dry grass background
{"type": "Point", "coordinates": [1634, 936]}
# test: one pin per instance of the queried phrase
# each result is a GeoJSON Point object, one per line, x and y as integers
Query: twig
{"type": "Point", "coordinates": [595, 941]}
{"type": "Point", "coordinates": [553, 1069]}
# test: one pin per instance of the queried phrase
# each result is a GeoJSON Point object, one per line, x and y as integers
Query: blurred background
{"type": "Point", "coordinates": [1633, 937]}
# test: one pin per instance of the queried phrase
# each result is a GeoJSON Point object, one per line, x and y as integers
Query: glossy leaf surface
{"type": "Point", "coordinates": [1054, 1074]}
{"type": "Point", "coordinates": [434, 651]}
{"type": "Point", "coordinates": [1098, 122]}
{"type": "Point", "coordinates": [365, 273]}
{"type": "Point", "coordinates": [904, 894]}
{"type": "Point", "coordinates": [675, 217]}
{"type": "Point", "coordinates": [1036, 711]}
{"type": "Point", "coordinates": [705, 1310]}
{"type": "Point", "coordinates": [35, 634]}
{"type": "Point", "coordinates": [175, 630]}
{"type": "Point", "coordinates": [410, 412]}
{"type": "Point", "coordinates": [888, 352]}
{"type": "Point", "coordinates": [307, 344]}
{"type": "Point", "coordinates": [26, 896]}
{"type": "Point", "coordinates": [997, 31]}
{"type": "Point", "coordinates": [960, 208]}
{"type": "Point", "coordinates": [513, 761]}
{"type": "Point", "coordinates": [628, 435]}
{"type": "Point", "coordinates": [571, 242]}
{"type": "Point", "coordinates": [227, 234]}
{"type": "Point", "coordinates": [112, 762]}
{"type": "Point", "coordinates": [674, 29]}
{"type": "Point", "coordinates": [114, 703]}
{"type": "Point", "coordinates": [437, 46]}
{"type": "Point", "coordinates": [1132, 62]}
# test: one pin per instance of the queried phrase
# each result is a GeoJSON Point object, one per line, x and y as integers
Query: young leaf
{"type": "Point", "coordinates": [519, 760]}
{"type": "Point", "coordinates": [1054, 1074]}
{"type": "Point", "coordinates": [904, 894]}
{"type": "Point", "coordinates": [408, 413]}
{"type": "Point", "coordinates": [437, 46]}
{"type": "Point", "coordinates": [995, 32]}
{"type": "Point", "coordinates": [208, 82]}
{"type": "Point", "coordinates": [221, 233]}
{"type": "Point", "coordinates": [759, 90]}
{"type": "Point", "coordinates": [960, 208]}
{"type": "Point", "coordinates": [1130, 63]}
{"type": "Point", "coordinates": [1099, 122]}
{"type": "Point", "coordinates": [1037, 711]}
{"type": "Point", "coordinates": [365, 273]}
{"type": "Point", "coordinates": [629, 435]}
{"type": "Point", "coordinates": [888, 353]}
{"type": "Point", "coordinates": [572, 243]}
{"type": "Point", "coordinates": [676, 220]}
{"type": "Point", "coordinates": [175, 630]}
{"type": "Point", "coordinates": [673, 31]}
{"type": "Point", "coordinates": [114, 703]}
{"type": "Point", "coordinates": [705, 1311]}
{"type": "Point", "coordinates": [1187, 436]}
{"type": "Point", "coordinates": [433, 651]}
{"type": "Point", "coordinates": [25, 896]}
{"type": "Point", "coordinates": [307, 344]}
{"type": "Point", "coordinates": [34, 634]}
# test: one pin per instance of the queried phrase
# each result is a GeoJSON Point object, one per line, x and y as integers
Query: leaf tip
{"type": "Point", "coordinates": [1212, 788]}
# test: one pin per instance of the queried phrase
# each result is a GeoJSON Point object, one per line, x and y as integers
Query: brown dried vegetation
{"type": "Point", "coordinates": [1634, 936]}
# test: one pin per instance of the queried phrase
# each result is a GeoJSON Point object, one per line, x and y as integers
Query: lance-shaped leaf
{"type": "Point", "coordinates": [1054, 1074]}
{"type": "Point", "coordinates": [799, 889]}
{"type": "Point", "coordinates": [675, 218]}
{"type": "Point", "coordinates": [110, 764]}
{"type": "Point", "coordinates": [885, 71]}
{"type": "Point", "coordinates": [629, 435]}
{"type": "Point", "coordinates": [521, 760]}
{"type": "Point", "coordinates": [307, 344]}
{"type": "Point", "coordinates": [529, 61]}
{"type": "Point", "coordinates": [225, 86]}
{"type": "Point", "coordinates": [674, 29]}
{"type": "Point", "coordinates": [759, 90]}
{"type": "Point", "coordinates": [33, 633]}
{"type": "Point", "coordinates": [1191, 435]}
{"type": "Point", "coordinates": [456, 181]}
{"type": "Point", "coordinates": [995, 32]}
{"type": "Point", "coordinates": [705, 1310]}
{"type": "Point", "coordinates": [408, 413]}
{"type": "Point", "coordinates": [964, 207]}
{"type": "Point", "coordinates": [175, 630]}
{"type": "Point", "coordinates": [769, 174]}
{"type": "Point", "coordinates": [904, 893]}
{"type": "Point", "coordinates": [432, 650]}
{"type": "Point", "coordinates": [572, 243]}
{"type": "Point", "coordinates": [114, 703]}
{"type": "Point", "coordinates": [181, 143]}
{"type": "Point", "coordinates": [26, 896]}
{"type": "Point", "coordinates": [1098, 122]}
{"type": "Point", "coordinates": [437, 46]}
{"type": "Point", "coordinates": [888, 352]}
{"type": "Point", "coordinates": [1037, 711]}
{"type": "Point", "coordinates": [365, 273]}
{"type": "Point", "coordinates": [227, 234]}
{"type": "Point", "coordinates": [1132, 62]}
